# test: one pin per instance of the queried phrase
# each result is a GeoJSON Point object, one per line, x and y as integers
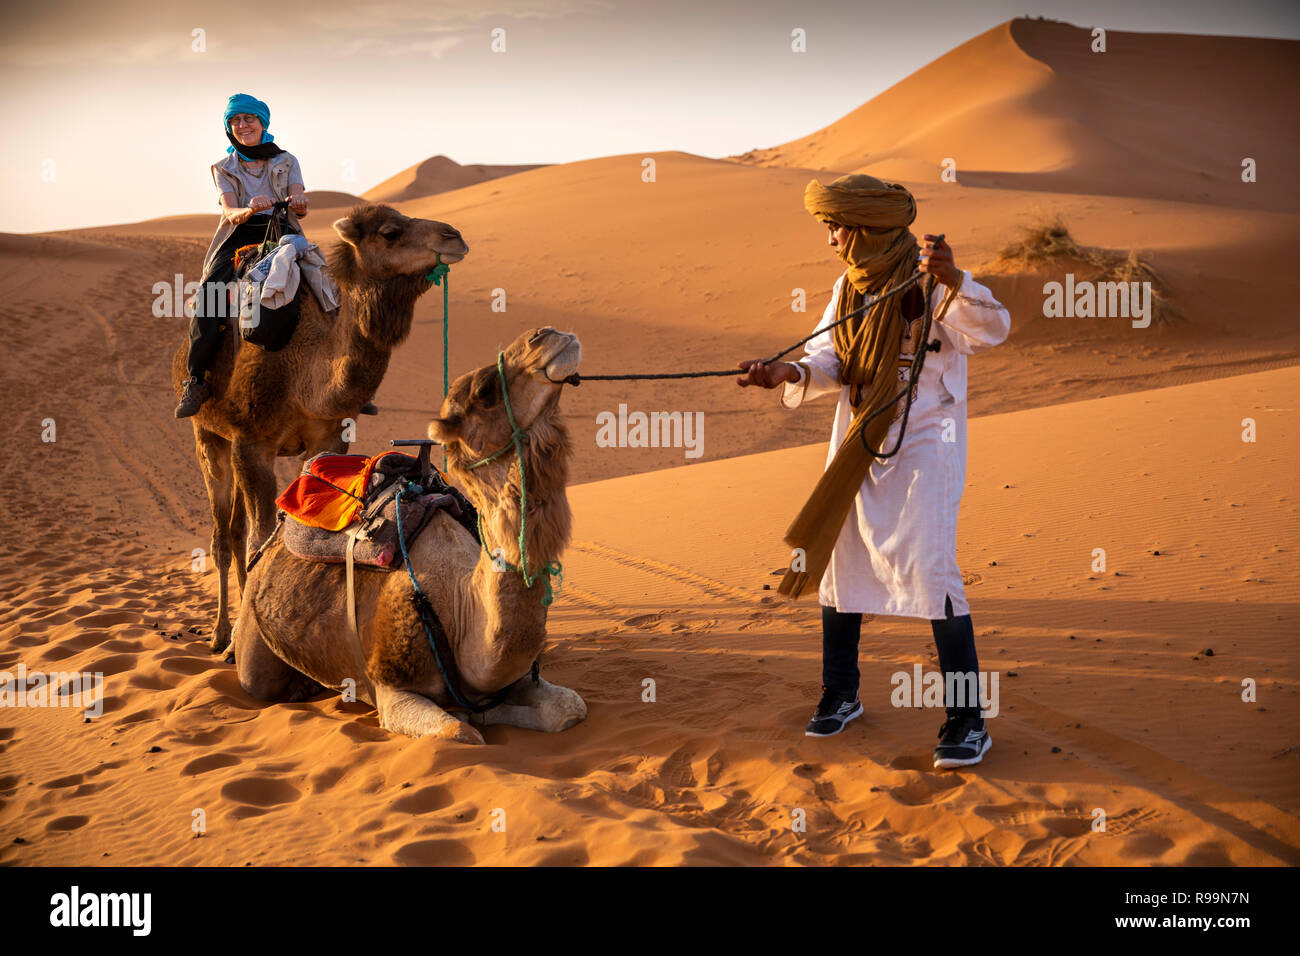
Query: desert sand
{"type": "Point", "coordinates": [1084, 434]}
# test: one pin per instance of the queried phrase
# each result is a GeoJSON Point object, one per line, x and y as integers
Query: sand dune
{"type": "Point", "coordinates": [1028, 105]}
{"type": "Point", "coordinates": [436, 175]}
{"type": "Point", "coordinates": [329, 199]}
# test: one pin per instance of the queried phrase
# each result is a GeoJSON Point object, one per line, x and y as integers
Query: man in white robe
{"type": "Point", "coordinates": [896, 552]}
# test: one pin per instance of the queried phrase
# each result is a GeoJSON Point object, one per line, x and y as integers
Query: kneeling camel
{"type": "Point", "coordinates": [292, 635]}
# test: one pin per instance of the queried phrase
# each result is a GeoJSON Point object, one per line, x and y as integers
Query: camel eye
{"type": "Point", "coordinates": [390, 231]}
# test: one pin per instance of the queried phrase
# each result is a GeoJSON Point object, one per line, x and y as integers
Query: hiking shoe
{"type": "Point", "coordinates": [192, 398]}
{"type": "Point", "coordinates": [834, 711]}
{"type": "Point", "coordinates": [369, 408]}
{"type": "Point", "coordinates": [963, 741]}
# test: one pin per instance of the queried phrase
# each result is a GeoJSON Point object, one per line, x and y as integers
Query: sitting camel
{"type": "Point", "coordinates": [294, 401]}
{"type": "Point", "coordinates": [293, 634]}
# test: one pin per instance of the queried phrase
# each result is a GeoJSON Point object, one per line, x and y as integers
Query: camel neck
{"type": "Point", "coordinates": [374, 320]}
{"type": "Point", "coordinates": [500, 529]}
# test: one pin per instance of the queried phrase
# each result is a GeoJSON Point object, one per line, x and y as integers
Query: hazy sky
{"type": "Point", "coordinates": [112, 116]}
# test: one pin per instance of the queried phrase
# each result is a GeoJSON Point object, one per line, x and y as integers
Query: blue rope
{"type": "Point", "coordinates": [420, 596]}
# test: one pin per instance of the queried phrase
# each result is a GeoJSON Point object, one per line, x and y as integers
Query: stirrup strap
{"type": "Point", "coordinates": [352, 605]}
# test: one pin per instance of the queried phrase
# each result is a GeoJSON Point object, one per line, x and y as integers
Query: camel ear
{"type": "Point", "coordinates": [445, 430]}
{"type": "Point", "coordinates": [348, 230]}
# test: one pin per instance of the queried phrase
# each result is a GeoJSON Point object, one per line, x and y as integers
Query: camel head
{"type": "Point", "coordinates": [380, 243]}
{"type": "Point", "coordinates": [473, 423]}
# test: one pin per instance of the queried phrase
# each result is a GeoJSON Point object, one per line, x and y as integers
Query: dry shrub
{"type": "Point", "coordinates": [1047, 240]}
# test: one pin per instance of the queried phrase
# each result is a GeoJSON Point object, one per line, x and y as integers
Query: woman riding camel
{"type": "Point", "coordinates": [880, 534]}
{"type": "Point", "coordinates": [255, 175]}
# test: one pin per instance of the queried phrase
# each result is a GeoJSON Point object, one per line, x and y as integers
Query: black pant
{"type": "Point", "coordinates": [211, 309]}
{"type": "Point", "coordinates": [954, 637]}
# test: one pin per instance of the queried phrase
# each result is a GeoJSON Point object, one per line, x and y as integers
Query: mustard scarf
{"type": "Point", "coordinates": [868, 350]}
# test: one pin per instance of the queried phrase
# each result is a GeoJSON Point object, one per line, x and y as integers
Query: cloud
{"type": "Point", "coordinates": [78, 32]}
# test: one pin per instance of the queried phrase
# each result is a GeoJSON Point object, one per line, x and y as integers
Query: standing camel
{"type": "Point", "coordinates": [294, 401]}
{"type": "Point", "coordinates": [293, 634]}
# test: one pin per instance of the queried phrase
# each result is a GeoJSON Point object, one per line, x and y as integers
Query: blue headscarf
{"type": "Point", "coordinates": [243, 103]}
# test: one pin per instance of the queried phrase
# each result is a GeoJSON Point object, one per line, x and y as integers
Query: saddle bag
{"type": "Point", "coordinates": [268, 329]}
{"type": "Point", "coordinates": [309, 524]}
{"type": "Point", "coordinates": [377, 544]}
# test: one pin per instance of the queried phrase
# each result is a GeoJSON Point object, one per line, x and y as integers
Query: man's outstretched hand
{"type": "Point", "coordinates": [768, 376]}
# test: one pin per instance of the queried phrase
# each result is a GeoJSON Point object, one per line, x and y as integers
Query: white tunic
{"type": "Point", "coordinates": [897, 552]}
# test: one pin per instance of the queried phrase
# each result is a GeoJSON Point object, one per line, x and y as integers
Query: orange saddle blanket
{"type": "Point", "coordinates": [331, 491]}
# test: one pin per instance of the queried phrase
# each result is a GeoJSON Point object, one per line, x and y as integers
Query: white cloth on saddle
{"type": "Point", "coordinates": [293, 260]}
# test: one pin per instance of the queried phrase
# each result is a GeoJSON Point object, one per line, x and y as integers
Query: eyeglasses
{"type": "Point", "coordinates": [243, 119]}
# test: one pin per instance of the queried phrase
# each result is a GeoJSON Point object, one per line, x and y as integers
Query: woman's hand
{"type": "Point", "coordinates": [936, 259]}
{"type": "Point", "coordinates": [260, 203]}
{"type": "Point", "coordinates": [298, 204]}
{"type": "Point", "coordinates": [769, 376]}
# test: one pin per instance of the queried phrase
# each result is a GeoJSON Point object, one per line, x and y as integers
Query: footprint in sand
{"type": "Point", "coordinates": [261, 792]}
{"type": "Point", "coordinates": [917, 793]}
{"type": "Point", "coordinates": [56, 653]}
{"type": "Point", "coordinates": [208, 762]}
{"type": "Point", "coordinates": [364, 733]}
{"type": "Point", "coordinates": [149, 682]}
{"type": "Point", "coordinates": [1152, 846]}
{"type": "Point", "coordinates": [424, 800]}
{"type": "Point", "coordinates": [115, 664]}
{"type": "Point", "coordinates": [918, 763]}
{"type": "Point", "coordinates": [64, 824]}
{"type": "Point", "coordinates": [109, 619]}
{"type": "Point", "coordinates": [434, 853]}
{"type": "Point", "coordinates": [644, 620]}
{"type": "Point", "coordinates": [122, 647]}
{"type": "Point", "coordinates": [326, 779]}
{"type": "Point", "coordinates": [58, 783]}
{"type": "Point", "coordinates": [1208, 854]}
{"type": "Point", "coordinates": [189, 666]}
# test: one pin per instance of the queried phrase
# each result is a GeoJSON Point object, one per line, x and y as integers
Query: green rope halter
{"type": "Point", "coordinates": [439, 277]}
{"type": "Point", "coordinates": [517, 438]}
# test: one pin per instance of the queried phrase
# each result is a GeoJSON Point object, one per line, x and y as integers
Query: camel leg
{"type": "Point", "coordinates": [239, 541]}
{"type": "Point", "coordinates": [254, 469]}
{"type": "Point", "coordinates": [406, 712]}
{"type": "Point", "coordinates": [261, 673]}
{"type": "Point", "coordinates": [214, 461]}
{"type": "Point", "coordinates": [542, 706]}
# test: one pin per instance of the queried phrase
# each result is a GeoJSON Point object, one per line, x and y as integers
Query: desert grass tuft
{"type": "Point", "coordinates": [1047, 239]}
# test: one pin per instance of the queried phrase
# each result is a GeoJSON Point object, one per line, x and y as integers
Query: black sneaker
{"type": "Point", "coordinates": [834, 711]}
{"type": "Point", "coordinates": [192, 398]}
{"type": "Point", "coordinates": [963, 741]}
